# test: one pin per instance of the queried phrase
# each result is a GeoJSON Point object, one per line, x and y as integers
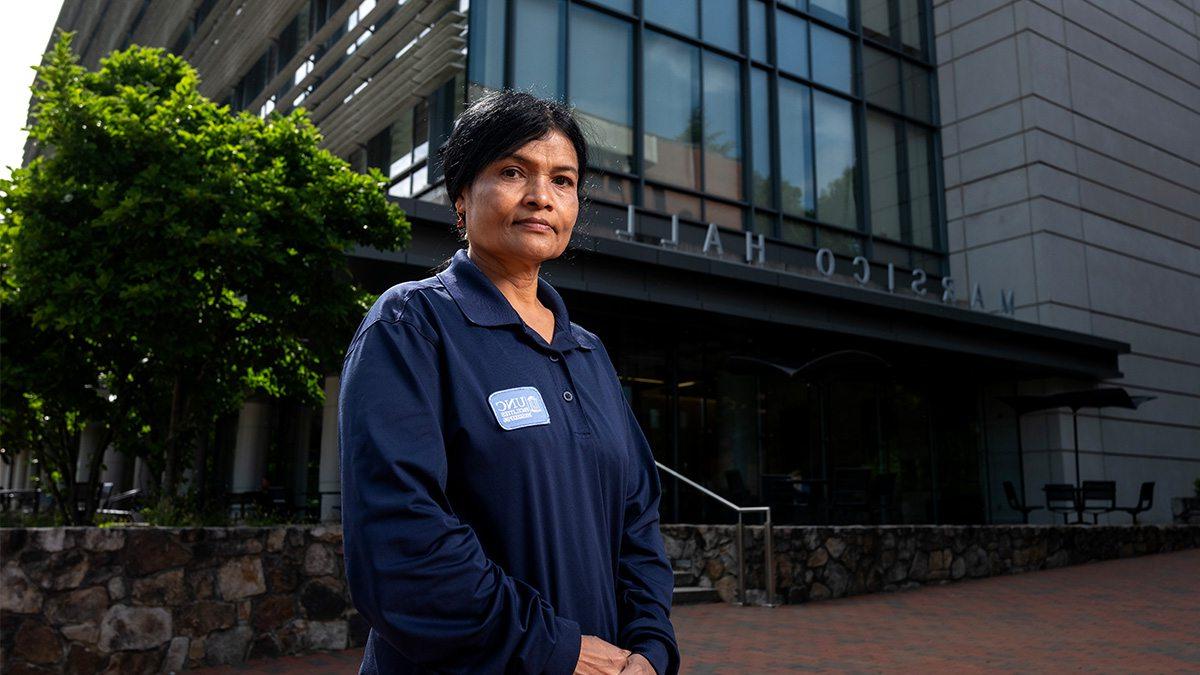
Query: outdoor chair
{"type": "Point", "coordinates": [1145, 501]}
{"type": "Point", "coordinates": [1096, 497]}
{"type": "Point", "coordinates": [128, 499]}
{"type": "Point", "coordinates": [1010, 493]}
{"type": "Point", "coordinates": [1060, 498]}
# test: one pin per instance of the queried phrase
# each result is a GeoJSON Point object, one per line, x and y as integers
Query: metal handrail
{"type": "Point", "coordinates": [768, 543]}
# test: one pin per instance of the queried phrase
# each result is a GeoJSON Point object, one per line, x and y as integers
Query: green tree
{"type": "Point", "coordinates": [163, 258]}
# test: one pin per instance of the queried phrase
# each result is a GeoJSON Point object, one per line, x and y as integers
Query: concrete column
{"type": "Point", "coordinates": [143, 477]}
{"type": "Point", "coordinates": [329, 477]}
{"type": "Point", "coordinates": [250, 448]}
{"type": "Point", "coordinates": [114, 469]}
{"type": "Point", "coordinates": [25, 470]}
{"type": "Point", "coordinates": [303, 438]}
{"type": "Point", "coordinates": [15, 473]}
{"type": "Point", "coordinates": [89, 439]}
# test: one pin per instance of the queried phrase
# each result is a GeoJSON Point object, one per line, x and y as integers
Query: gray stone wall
{"type": "Point", "coordinates": [148, 600]}
{"type": "Point", "coordinates": [816, 563]}
{"type": "Point", "coordinates": [1071, 152]}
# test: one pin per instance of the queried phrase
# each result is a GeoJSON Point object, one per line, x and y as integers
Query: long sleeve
{"type": "Point", "coordinates": [416, 572]}
{"type": "Point", "coordinates": [644, 577]}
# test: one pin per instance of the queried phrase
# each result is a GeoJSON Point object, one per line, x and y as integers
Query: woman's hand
{"type": "Point", "coordinates": [597, 657]}
{"type": "Point", "coordinates": [638, 665]}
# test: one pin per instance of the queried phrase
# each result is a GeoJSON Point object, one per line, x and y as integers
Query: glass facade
{"type": "Point", "coordinates": [715, 406]}
{"type": "Point", "coordinates": [809, 121]}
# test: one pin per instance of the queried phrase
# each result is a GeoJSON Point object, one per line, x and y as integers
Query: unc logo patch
{"type": "Point", "coordinates": [519, 407]}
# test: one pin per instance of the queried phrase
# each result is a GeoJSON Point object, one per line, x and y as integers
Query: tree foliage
{"type": "Point", "coordinates": [163, 258]}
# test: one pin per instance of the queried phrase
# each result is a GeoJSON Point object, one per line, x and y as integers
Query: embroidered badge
{"type": "Point", "coordinates": [519, 407]}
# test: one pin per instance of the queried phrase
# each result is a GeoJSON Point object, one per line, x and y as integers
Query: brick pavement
{"type": "Point", "coordinates": [1137, 614]}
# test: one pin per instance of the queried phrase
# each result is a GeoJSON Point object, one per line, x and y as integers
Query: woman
{"type": "Point", "coordinates": [499, 501]}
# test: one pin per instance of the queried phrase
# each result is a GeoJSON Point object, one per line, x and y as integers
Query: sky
{"type": "Point", "coordinates": [25, 28]}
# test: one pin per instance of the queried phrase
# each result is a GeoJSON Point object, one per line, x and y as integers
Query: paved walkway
{"type": "Point", "coordinates": [1139, 614]}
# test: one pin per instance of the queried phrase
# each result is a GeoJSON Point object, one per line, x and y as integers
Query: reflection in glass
{"type": "Point", "coordinates": [797, 232]}
{"type": "Point", "coordinates": [758, 30]}
{"type": "Point", "coordinates": [834, 144]}
{"type": "Point", "coordinates": [487, 43]}
{"type": "Point", "coordinates": [791, 43]}
{"type": "Point", "coordinates": [623, 5]}
{"type": "Point", "coordinates": [881, 78]}
{"type": "Point", "coordinates": [841, 243]}
{"type": "Point", "coordinates": [916, 91]}
{"type": "Point", "coordinates": [402, 144]}
{"type": "Point", "coordinates": [882, 151]}
{"type": "Point", "coordinates": [719, 23]}
{"type": "Point", "coordinates": [875, 20]}
{"type": "Point", "coordinates": [760, 130]}
{"type": "Point", "coordinates": [833, 11]}
{"type": "Point", "coordinates": [910, 28]}
{"type": "Point", "coordinates": [795, 149]}
{"type": "Point", "coordinates": [600, 83]}
{"type": "Point", "coordinates": [671, 109]}
{"type": "Point", "coordinates": [920, 187]}
{"type": "Point", "coordinates": [831, 59]}
{"type": "Point", "coordinates": [679, 15]}
{"type": "Point", "coordinates": [669, 201]}
{"type": "Point", "coordinates": [722, 126]}
{"type": "Point", "coordinates": [604, 186]}
{"type": "Point", "coordinates": [723, 214]}
{"type": "Point", "coordinates": [535, 22]}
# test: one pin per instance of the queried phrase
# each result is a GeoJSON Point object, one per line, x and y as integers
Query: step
{"type": "Point", "coordinates": [684, 578]}
{"type": "Point", "coordinates": [690, 595]}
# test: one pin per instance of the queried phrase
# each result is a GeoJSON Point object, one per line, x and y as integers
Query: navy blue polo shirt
{"type": "Point", "coordinates": [499, 499]}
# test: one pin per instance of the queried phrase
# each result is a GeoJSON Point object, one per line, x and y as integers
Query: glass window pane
{"type": "Point", "coordinates": [402, 144]}
{"type": "Point", "coordinates": [875, 20]}
{"type": "Point", "coordinates": [831, 59]}
{"type": "Point", "coordinates": [487, 43]}
{"type": "Point", "coordinates": [910, 28]}
{"type": "Point", "coordinates": [834, 144]}
{"type": "Point", "coordinates": [679, 15]}
{"type": "Point", "coordinates": [609, 187]}
{"type": "Point", "coordinates": [801, 5]}
{"type": "Point", "coordinates": [760, 130]}
{"type": "Point", "coordinates": [669, 201]}
{"type": "Point", "coordinates": [764, 223]}
{"type": "Point", "coordinates": [536, 70]}
{"type": "Point", "coordinates": [882, 174]}
{"type": "Point", "coordinates": [791, 43]}
{"type": "Point", "coordinates": [795, 149]}
{"type": "Point", "coordinates": [841, 243]}
{"type": "Point", "coordinates": [671, 110]}
{"type": "Point", "coordinates": [723, 214]}
{"type": "Point", "coordinates": [623, 5]}
{"type": "Point", "coordinates": [920, 187]}
{"type": "Point", "coordinates": [797, 232]}
{"type": "Point", "coordinates": [916, 91]}
{"type": "Point", "coordinates": [881, 78]}
{"type": "Point", "coordinates": [833, 11]}
{"type": "Point", "coordinates": [722, 126]}
{"type": "Point", "coordinates": [758, 30]}
{"type": "Point", "coordinates": [720, 24]}
{"type": "Point", "coordinates": [601, 85]}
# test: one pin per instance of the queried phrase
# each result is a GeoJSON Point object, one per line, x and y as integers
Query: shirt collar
{"type": "Point", "coordinates": [484, 304]}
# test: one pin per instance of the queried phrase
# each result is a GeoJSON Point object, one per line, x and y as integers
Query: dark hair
{"type": "Point", "coordinates": [497, 125]}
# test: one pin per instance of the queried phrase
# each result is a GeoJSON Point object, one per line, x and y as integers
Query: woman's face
{"type": "Point", "coordinates": [523, 207]}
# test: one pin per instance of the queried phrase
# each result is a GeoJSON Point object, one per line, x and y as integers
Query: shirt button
{"type": "Point", "coordinates": [568, 396]}
{"type": "Point", "coordinates": [554, 357]}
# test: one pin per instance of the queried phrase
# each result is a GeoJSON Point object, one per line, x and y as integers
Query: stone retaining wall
{"type": "Point", "coordinates": [146, 600]}
{"type": "Point", "coordinates": [815, 563]}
